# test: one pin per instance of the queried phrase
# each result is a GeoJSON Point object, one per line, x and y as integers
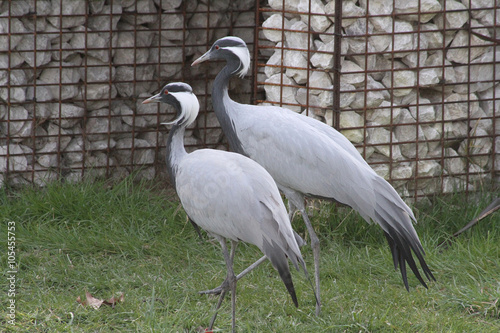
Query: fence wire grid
{"type": "Point", "coordinates": [414, 85]}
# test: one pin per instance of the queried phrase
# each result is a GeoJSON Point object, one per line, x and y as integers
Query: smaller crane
{"type": "Point", "coordinates": [230, 196]}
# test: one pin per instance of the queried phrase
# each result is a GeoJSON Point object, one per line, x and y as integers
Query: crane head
{"type": "Point", "coordinates": [180, 95]}
{"type": "Point", "coordinates": [230, 49]}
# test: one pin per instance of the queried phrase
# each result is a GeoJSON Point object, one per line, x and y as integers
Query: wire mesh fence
{"type": "Point", "coordinates": [73, 75]}
{"type": "Point", "coordinates": [418, 92]}
{"type": "Point", "coordinates": [412, 84]}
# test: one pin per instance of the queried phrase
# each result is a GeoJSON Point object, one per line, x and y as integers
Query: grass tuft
{"type": "Point", "coordinates": [134, 238]}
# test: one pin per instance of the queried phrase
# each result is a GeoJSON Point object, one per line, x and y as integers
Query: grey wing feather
{"type": "Point", "coordinates": [309, 157]}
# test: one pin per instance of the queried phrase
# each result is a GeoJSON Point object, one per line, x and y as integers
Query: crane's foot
{"type": "Point", "coordinates": [215, 291]}
{"type": "Point", "coordinates": [225, 286]}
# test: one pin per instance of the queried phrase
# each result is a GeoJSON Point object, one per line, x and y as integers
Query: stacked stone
{"type": "Point", "coordinates": [73, 75]}
{"type": "Point", "coordinates": [420, 103]}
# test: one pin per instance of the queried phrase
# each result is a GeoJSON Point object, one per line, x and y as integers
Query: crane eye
{"type": "Point", "coordinates": [165, 92]}
{"type": "Point", "coordinates": [217, 47]}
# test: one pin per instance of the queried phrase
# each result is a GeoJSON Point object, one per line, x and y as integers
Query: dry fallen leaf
{"type": "Point", "coordinates": [96, 303]}
{"type": "Point", "coordinates": [114, 300]}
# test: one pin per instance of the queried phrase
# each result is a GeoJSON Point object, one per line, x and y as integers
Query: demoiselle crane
{"type": "Point", "coordinates": [229, 195]}
{"type": "Point", "coordinates": [308, 158]}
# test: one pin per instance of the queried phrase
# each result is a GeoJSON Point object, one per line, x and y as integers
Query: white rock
{"type": "Point", "coordinates": [8, 25]}
{"type": "Point", "coordinates": [423, 6]}
{"type": "Point", "coordinates": [62, 136]}
{"type": "Point", "coordinates": [455, 130]}
{"type": "Point", "coordinates": [423, 110]}
{"type": "Point", "coordinates": [108, 18]}
{"type": "Point", "coordinates": [428, 77]}
{"type": "Point", "coordinates": [13, 158]}
{"type": "Point", "coordinates": [273, 65]}
{"type": "Point", "coordinates": [403, 39]}
{"type": "Point", "coordinates": [102, 145]}
{"type": "Point", "coordinates": [478, 148]}
{"type": "Point", "coordinates": [142, 73]}
{"type": "Point", "coordinates": [168, 4]}
{"type": "Point", "coordinates": [16, 78]}
{"type": "Point", "coordinates": [93, 40]}
{"type": "Point", "coordinates": [401, 79]}
{"type": "Point", "coordinates": [11, 60]}
{"type": "Point", "coordinates": [432, 135]}
{"type": "Point", "coordinates": [323, 57]}
{"type": "Point", "coordinates": [482, 72]}
{"type": "Point", "coordinates": [402, 171]}
{"type": "Point", "coordinates": [417, 58]}
{"type": "Point", "coordinates": [346, 96]}
{"type": "Point", "coordinates": [96, 6]}
{"type": "Point", "coordinates": [457, 106]}
{"type": "Point", "coordinates": [319, 23]}
{"type": "Point", "coordinates": [67, 115]}
{"type": "Point", "coordinates": [348, 120]}
{"type": "Point", "coordinates": [321, 80]}
{"type": "Point", "coordinates": [382, 170]}
{"type": "Point", "coordinates": [73, 152]}
{"type": "Point", "coordinates": [293, 60]}
{"type": "Point", "coordinates": [432, 76]}
{"type": "Point", "coordinates": [42, 46]}
{"type": "Point", "coordinates": [380, 135]}
{"type": "Point", "coordinates": [245, 20]}
{"type": "Point", "coordinates": [463, 52]}
{"type": "Point", "coordinates": [72, 13]}
{"type": "Point", "coordinates": [275, 21]}
{"type": "Point", "coordinates": [143, 152]}
{"type": "Point", "coordinates": [408, 131]}
{"type": "Point", "coordinates": [99, 123]}
{"type": "Point", "coordinates": [47, 155]}
{"type": "Point", "coordinates": [349, 9]}
{"type": "Point", "coordinates": [16, 8]}
{"type": "Point", "coordinates": [375, 94]}
{"type": "Point", "coordinates": [170, 26]}
{"type": "Point", "coordinates": [377, 9]}
{"type": "Point", "coordinates": [140, 13]}
{"type": "Point", "coordinates": [433, 35]}
{"type": "Point", "coordinates": [352, 73]}
{"type": "Point", "coordinates": [489, 106]}
{"type": "Point", "coordinates": [18, 117]}
{"type": "Point", "coordinates": [453, 163]}
{"type": "Point", "coordinates": [385, 114]}
{"type": "Point", "coordinates": [298, 39]}
{"type": "Point", "coordinates": [169, 58]}
{"type": "Point", "coordinates": [428, 168]}
{"type": "Point", "coordinates": [69, 77]}
{"type": "Point", "coordinates": [98, 95]}
{"type": "Point", "coordinates": [290, 5]}
{"type": "Point", "coordinates": [455, 17]}
{"type": "Point", "coordinates": [455, 184]}
{"type": "Point", "coordinates": [131, 53]}
{"type": "Point", "coordinates": [97, 71]}
{"type": "Point", "coordinates": [273, 91]}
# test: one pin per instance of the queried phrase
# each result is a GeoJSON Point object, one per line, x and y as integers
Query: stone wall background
{"type": "Point", "coordinates": [419, 92]}
{"type": "Point", "coordinates": [73, 75]}
{"type": "Point", "coordinates": [421, 104]}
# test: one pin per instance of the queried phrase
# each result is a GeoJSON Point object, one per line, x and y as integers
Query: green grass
{"type": "Point", "coordinates": [135, 239]}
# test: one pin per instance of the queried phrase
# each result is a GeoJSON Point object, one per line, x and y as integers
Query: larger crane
{"type": "Point", "coordinates": [229, 195]}
{"type": "Point", "coordinates": [308, 158]}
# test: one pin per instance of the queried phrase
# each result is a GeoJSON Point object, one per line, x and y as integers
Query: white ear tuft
{"type": "Point", "coordinates": [189, 106]}
{"type": "Point", "coordinates": [242, 53]}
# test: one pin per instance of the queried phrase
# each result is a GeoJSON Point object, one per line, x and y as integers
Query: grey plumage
{"type": "Point", "coordinates": [309, 158]}
{"type": "Point", "coordinates": [229, 195]}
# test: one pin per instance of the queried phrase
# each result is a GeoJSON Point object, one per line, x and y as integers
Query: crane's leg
{"type": "Point", "coordinates": [218, 290]}
{"type": "Point", "coordinates": [315, 249]}
{"type": "Point", "coordinates": [229, 283]}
